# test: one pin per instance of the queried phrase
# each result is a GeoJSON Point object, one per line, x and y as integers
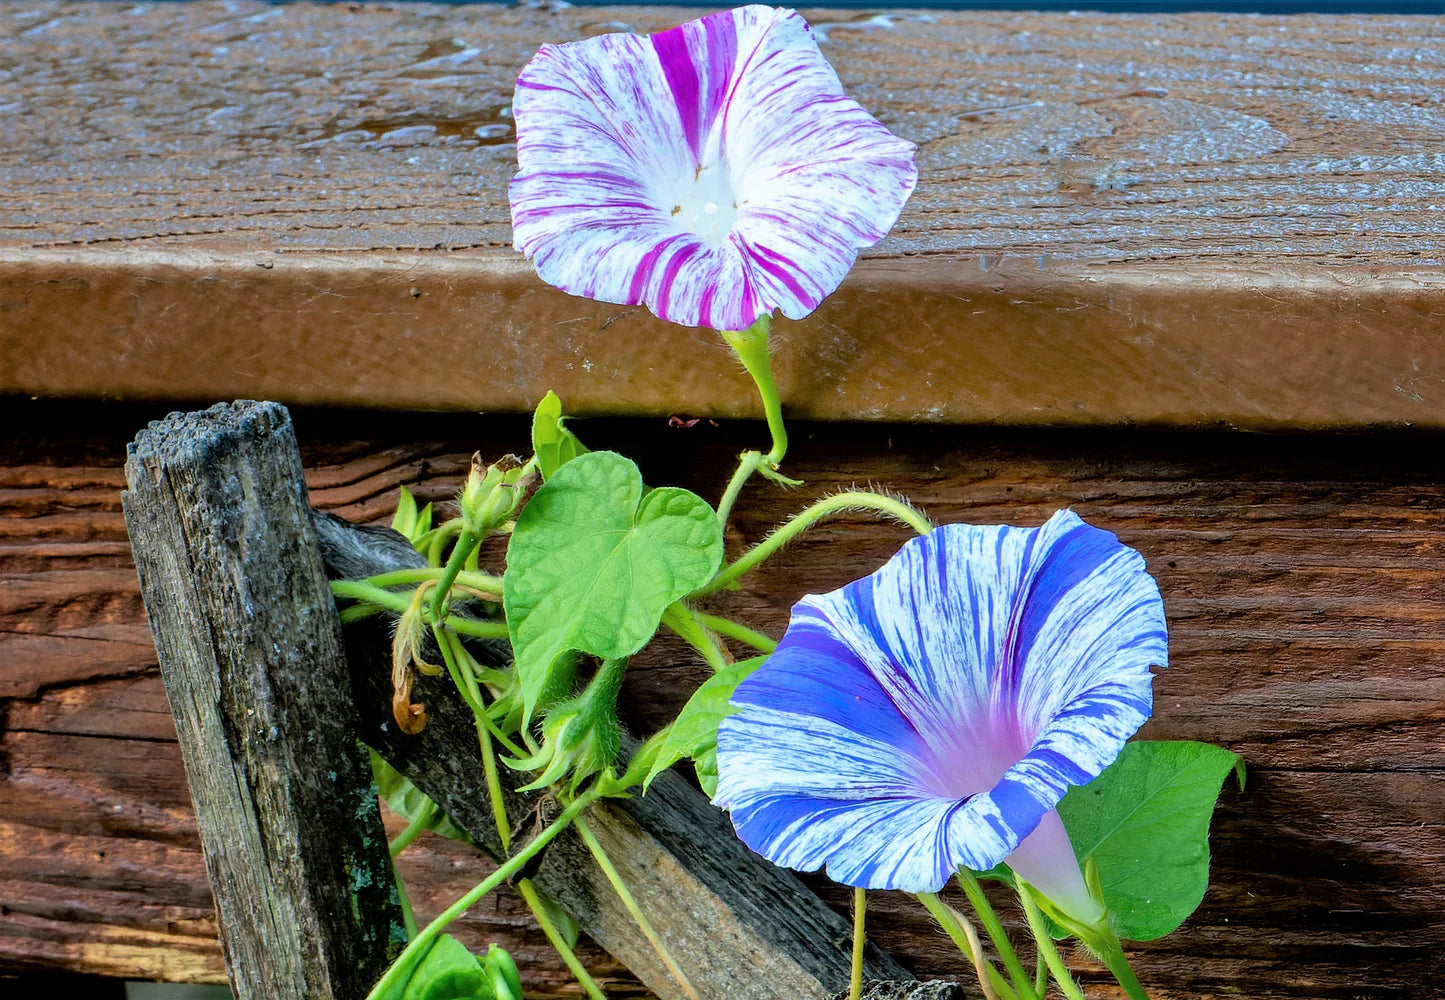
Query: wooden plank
{"type": "Point", "coordinates": [1192, 220]}
{"type": "Point", "coordinates": [249, 645]}
{"type": "Point", "coordinates": [1303, 578]}
{"type": "Point", "coordinates": [738, 928]}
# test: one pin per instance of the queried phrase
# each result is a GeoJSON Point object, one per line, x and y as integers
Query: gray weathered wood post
{"type": "Point", "coordinates": [251, 653]}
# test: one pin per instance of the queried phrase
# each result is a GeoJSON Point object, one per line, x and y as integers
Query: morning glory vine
{"type": "Point", "coordinates": [960, 715]}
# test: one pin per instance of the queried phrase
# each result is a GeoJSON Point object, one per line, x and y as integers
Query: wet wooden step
{"type": "Point", "coordinates": [1183, 221]}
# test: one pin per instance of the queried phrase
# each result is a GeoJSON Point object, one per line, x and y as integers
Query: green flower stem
{"type": "Point", "coordinates": [989, 980]}
{"type": "Point", "coordinates": [559, 943]}
{"type": "Point", "coordinates": [996, 933]}
{"type": "Point", "coordinates": [421, 822]}
{"type": "Point", "coordinates": [748, 463]}
{"type": "Point", "coordinates": [355, 590]}
{"type": "Point", "coordinates": [751, 347]}
{"type": "Point", "coordinates": [465, 681]}
{"type": "Point", "coordinates": [1105, 944]}
{"type": "Point", "coordinates": [855, 977]}
{"type": "Point", "coordinates": [681, 620]}
{"type": "Point", "coordinates": [736, 630]}
{"type": "Point", "coordinates": [356, 612]}
{"type": "Point", "coordinates": [1045, 943]}
{"type": "Point", "coordinates": [510, 867]}
{"type": "Point", "coordinates": [828, 506]}
{"type": "Point", "coordinates": [640, 918]}
{"type": "Point", "coordinates": [477, 629]}
{"type": "Point", "coordinates": [456, 562]}
{"type": "Point", "coordinates": [459, 665]}
{"type": "Point", "coordinates": [1041, 974]}
{"type": "Point", "coordinates": [439, 537]}
{"type": "Point", "coordinates": [411, 576]}
{"type": "Point", "coordinates": [502, 738]}
{"type": "Point", "coordinates": [494, 784]}
{"type": "Point", "coordinates": [408, 915]}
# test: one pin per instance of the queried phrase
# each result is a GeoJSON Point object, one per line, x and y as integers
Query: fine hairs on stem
{"type": "Point", "coordinates": [860, 911]}
{"type": "Point", "coordinates": [965, 938]}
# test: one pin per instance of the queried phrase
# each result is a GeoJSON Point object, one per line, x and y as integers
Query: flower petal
{"type": "Point", "coordinates": [714, 172]}
{"type": "Point", "coordinates": [965, 686]}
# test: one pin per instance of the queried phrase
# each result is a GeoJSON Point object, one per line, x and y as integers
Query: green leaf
{"type": "Point", "coordinates": [502, 971]}
{"type": "Point", "coordinates": [445, 971]}
{"type": "Point", "coordinates": [552, 442]}
{"type": "Point", "coordinates": [594, 561]}
{"type": "Point", "coordinates": [694, 732]}
{"type": "Point", "coordinates": [1145, 823]}
{"type": "Point", "coordinates": [410, 522]}
{"type": "Point", "coordinates": [706, 765]}
{"type": "Point", "coordinates": [409, 801]}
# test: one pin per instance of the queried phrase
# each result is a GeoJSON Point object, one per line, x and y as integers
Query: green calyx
{"type": "Point", "coordinates": [581, 736]}
{"type": "Point", "coordinates": [493, 493]}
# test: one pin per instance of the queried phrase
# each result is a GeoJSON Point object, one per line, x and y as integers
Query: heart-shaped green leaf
{"type": "Point", "coordinates": [552, 442]}
{"type": "Point", "coordinates": [1145, 823]}
{"type": "Point", "coordinates": [694, 731]}
{"type": "Point", "coordinates": [593, 563]}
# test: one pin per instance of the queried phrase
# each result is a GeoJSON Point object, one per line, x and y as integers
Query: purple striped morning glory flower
{"type": "Point", "coordinates": [714, 171]}
{"type": "Point", "coordinates": [931, 715]}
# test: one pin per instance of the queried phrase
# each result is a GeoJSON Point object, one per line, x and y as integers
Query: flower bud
{"type": "Point", "coordinates": [580, 736]}
{"type": "Point", "coordinates": [493, 493]}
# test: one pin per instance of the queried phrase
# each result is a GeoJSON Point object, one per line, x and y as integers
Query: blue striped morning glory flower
{"type": "Point", "coordinates": [931, 715]}
{"type": "Point", "coordinates": [714, 171]}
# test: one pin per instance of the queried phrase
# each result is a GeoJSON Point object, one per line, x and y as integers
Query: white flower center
{"type": "Point", "coordinates": [706, 205]}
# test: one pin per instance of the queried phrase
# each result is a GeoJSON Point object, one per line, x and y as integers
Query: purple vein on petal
{"type": "Point", "coordinates": [730, 132]}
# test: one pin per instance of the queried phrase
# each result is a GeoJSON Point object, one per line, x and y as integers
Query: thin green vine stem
{"type": "Point", "coordinates": [991, 924]}
{"type": "Point", "coordinates": [559, 943]}
{"type": "Point", "coordinates": [989, 980]}
{"type": "Point", "coordinates": [809, 516]}
{"type": "Point", "coordinates": [860, 913]}
{"type": "Point", "coordinates": [502, 738]}
{"type": "Point", "coordinates": [748, 463]}
{"type": "Point", "coordinates": [682, 621]}
{"type": "Point", "coordinates": [408, 915]}
{"type": "Point", "coordinates": [510, 867]}
{"type": "Point", "coordinates": [494, 784]}
{"type": "Point", "coordinates": [736, 630]}
{"type": "Point", "coordinates": [477, 629]}
{"type": "Point", "coordinates": [420, 823]}
{"type": "Point", "coordinates": [466, 685]}
{"type": "Point", "coordinates": [466, 542]}
{"type": "Point", "coordinates": [439, 537]}
{"type": "Point", "coordinates": [751, 347]}
{"type": "Point", "coordinates": [1045, 943]}
{"type": "Point", "coordinates": [356, 590]}
{"type": "Point", "coordinates": [420, 574]}
{"type": "Point", "coordinates": [640, 918]}
{"type": "Point", "coordinates": [1112, 954]}
{"type": "Point", "coordinates": [1041, 974]}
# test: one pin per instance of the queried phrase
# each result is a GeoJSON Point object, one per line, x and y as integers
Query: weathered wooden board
{"type": "Point", "coordinates": [256, 674]}
{"type": "Point", "coordinates": [1304, 580]}
{"type": "Point", "coordinates": [1190, 220]}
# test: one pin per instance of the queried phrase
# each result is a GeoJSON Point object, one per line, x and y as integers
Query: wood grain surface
{"type": "Point", "coordinates": [1191, 220]}
{"type": "Point", "coordinates": [1304, 579]}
